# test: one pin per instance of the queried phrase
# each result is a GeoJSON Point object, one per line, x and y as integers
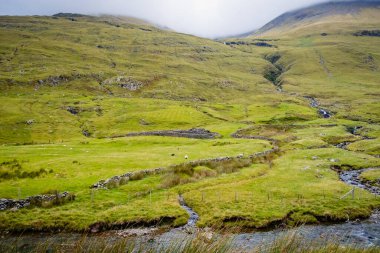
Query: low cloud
{"type": "Point", "coordinates": [207, 18]}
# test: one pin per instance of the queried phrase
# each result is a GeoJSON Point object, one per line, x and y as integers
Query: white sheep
{"type": "Point", "coordinates": [186, 157]}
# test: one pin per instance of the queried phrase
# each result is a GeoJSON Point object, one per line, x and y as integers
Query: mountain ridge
{"type": "Point", "coordinates": [315, 13]}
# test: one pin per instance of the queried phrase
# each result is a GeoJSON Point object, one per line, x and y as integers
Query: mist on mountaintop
{"type": "Point", "coordinates": [211, 18]}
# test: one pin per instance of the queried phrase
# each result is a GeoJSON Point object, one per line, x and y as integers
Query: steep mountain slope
{"type": "Point", "coordinates": [328, 51]}
{"type": "Point", "coordinates": [343, 13]}
{"type": "Point", "coordinates": [70, 58]}
{"type": "Point", "coordinates": [38, 50]}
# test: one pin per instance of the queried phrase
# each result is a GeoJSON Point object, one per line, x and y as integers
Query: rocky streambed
{"type": "Point", "coordinates": [361, 233]}
{"type": "Point", "coordinates": [315, 104]}
{"type": "Point", "coordinates": [352, 177]}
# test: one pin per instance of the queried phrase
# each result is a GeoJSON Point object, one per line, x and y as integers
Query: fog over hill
{"type": "Point", "coordinates": [319, 11]}
{"type": "Point", "coordinates": [211, 18]}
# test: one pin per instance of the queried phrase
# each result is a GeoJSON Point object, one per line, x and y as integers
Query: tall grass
{"type": "Point", "coordinates": [289, 242]}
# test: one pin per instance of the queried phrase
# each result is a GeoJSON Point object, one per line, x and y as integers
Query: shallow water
{"type": "Point", "coordinates": [364, 233]}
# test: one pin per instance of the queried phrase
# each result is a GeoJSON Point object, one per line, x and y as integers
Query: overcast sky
{"type": "Point", "coordinates": [207, 18]}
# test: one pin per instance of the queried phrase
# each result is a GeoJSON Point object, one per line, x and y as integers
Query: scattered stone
{"type": "Point", "coordinates": [143, 122]}
{"type": "Point", "coordinates": [225, 83]}
{"type": "Point", "coordinates": [306, 168]}
{"type": "Point", "coordinates": [324, 113]}
{"type": "Point", "coordinates": [343, 145]}
{"type": "Point", "coordinates": [136, 232]}
{"type": "Point", "coordinates": [95, 229]}
{"type": "Point", "coordinates": [125, 82]}
{"type": "Point", "coordinates": [73, 110]}
{"type": "Point", "coordinates": [56, 80]}
{"type": "Point", "coordinates": [30, 121]}
{"type": "Point", "coordinates": [86, 133]}
{"type": "Point", "coordinates": [315, 158]}
{"type": "Point", "coordinates": [207, 234]}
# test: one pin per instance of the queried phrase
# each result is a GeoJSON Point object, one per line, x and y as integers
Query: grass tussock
{"type": "Point", "coordinates": [193, 172]}
{"type": "Point", "coordinates": [289, 242]}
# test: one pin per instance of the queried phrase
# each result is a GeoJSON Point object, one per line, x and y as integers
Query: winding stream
{"type": "Point", "coordinates": [364, 233]}
{"type": "Point", "coordinates": [352, 177]}
{"type": "Point", "coordinates": [315, 104]}
{"type": "Point", "coordinates": [193, 216]}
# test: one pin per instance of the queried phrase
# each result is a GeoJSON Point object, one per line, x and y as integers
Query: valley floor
{"type": "Point", "coordinates": [264, 175]}
{"type": "Point", "coordinates": [100, 134]}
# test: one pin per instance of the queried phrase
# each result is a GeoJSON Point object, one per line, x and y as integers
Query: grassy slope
{"type": "Point", "coordinates": [190, 82]}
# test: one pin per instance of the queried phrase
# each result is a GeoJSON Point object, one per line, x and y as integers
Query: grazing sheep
{"type": "Point", "coordinates": [186, 157]}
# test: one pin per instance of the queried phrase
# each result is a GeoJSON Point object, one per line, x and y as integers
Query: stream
{"type": "Point", "coordinates": [352, 177]}
{"type": "Point", "coordinates": [193, 216]}
{"type": "Point", "coordinates": [361, 233]}
{"type": "Point", "coordinates": [315, 104]}
{"type": "Point", "coordinates": [364, 234]}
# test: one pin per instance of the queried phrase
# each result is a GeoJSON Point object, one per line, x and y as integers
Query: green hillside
{"type": "Point", "coordinates": [73, 87]}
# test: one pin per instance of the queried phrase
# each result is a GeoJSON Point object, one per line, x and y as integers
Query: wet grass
{"type": "Point", "coordinates": [50, 66]}
{"type": "Point", "coordinates": [299, 187]}
{"type": "Point", "coordinates": [371, 176]}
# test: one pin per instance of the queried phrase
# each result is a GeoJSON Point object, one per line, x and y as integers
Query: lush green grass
{"type": "Point", "coordinates": [371, 176]}
{"type": "Point", "coordinates": [188, 82]}
{"type": "Point", "coordinates": [77, 165]}
{"type": "Point", "coordinates": [296, 189]}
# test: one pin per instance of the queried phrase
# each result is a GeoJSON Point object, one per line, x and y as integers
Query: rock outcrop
{"type": "Point", "coordinates": [124, 82]}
